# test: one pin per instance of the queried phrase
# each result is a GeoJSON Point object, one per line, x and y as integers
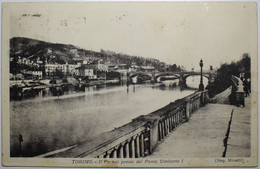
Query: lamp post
{"type": "Point", "coordinates": [201, 86]}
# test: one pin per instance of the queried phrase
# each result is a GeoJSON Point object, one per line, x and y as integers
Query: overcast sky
{"type": "Point", "coordinates": [181, 33]}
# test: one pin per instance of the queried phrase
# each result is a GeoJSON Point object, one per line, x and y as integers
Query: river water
{"type": "Point", "coordinates": [49, 123]}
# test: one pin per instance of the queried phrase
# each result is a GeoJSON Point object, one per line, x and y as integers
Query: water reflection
{"type": "Point", "coordinates": [49, 122]}
{"type": "Point", "coordinates": [194, 81]}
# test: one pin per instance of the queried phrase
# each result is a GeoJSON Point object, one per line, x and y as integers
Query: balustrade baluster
{"type": "Point", "coordinates": [170, 123]}
{"type": "Point", "coordinates": [121, 152]}
{"type": "Point", "coordinates": [181, 113]}
{"type": "Point", "coordinates": [163, 130]}
{"type": "Point", "coordinates": [137, 147]}
{"type": "Point", "coordinates": [174, 119]}
{"type": "Point", "coordinates": [124, 150]}
{"type": "Point", "coordinates": [159, 131]}
{"type": "Point", "coordinates": [132, 145]}
{"type": "Point", "coordinates": [178, 118]}
{"type": "Point", "coordinates": [142, 145]}
{"type": "Point", "coordinates": [109, 154]}
{"type": "Point", "coordinates": [127, 152]}
{"type": "Point", "coordinates": [167, 127]}
{"type": "Point", "coordinates": [105, 155]}
{"type": "Point", "coordinates": [173, 122]}
{"type": "Point", "coordinates": [113, 154]}
{"type": "Point", "coordinates": [101, 156]}
{"type": "Point", "coordinates": [194, 105]}
{"type": "Point", "coordinates": [198, 102]}
{"type": "Point", "coordinates": [190, 108]}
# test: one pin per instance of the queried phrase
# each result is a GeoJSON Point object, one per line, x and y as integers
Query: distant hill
{"type": "Point", "coordinates": [54, 53]}
{"type": "Point", "coordinates": [50, 52]}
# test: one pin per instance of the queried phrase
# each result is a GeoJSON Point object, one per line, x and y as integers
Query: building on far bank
{"type": "Point", "coordinates": [32, 75]}
{"type": "Point", "coordinates": [65, 69]}
{"type": "Point", "coordinates": [102, 66]}
{"type": "Point", "coordinates": [134, 67]}
{"type": "Point", "coordinates": [87, 71]}
{"type": "Point", "coordinates": [111, 67]}
{"type": "Point", "coordinates": [148, 69]}
{"type": "Point", "coordinates": [51, 69]}
{"type": "Point", "coordinates": [70, 69]}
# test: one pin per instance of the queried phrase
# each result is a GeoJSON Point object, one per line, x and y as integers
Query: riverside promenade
{"type": "Point", "coordinates": [204, 135]}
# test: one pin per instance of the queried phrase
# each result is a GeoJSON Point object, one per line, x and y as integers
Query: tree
{"type": "Point", "coordinates": [225, 72]}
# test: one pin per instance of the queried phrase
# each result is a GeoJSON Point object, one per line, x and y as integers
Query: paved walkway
{"type": "Point", "coordinates": [240, 132]}
{"type": "Point", "coordinates": [222, 98]}
{"type": "Point", "coordinates": [203, 135]}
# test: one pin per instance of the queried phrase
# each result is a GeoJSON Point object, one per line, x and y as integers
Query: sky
{"type": "Point", "coordinates": [179, 33]}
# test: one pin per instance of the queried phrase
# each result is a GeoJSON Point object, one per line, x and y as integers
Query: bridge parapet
{"type": "Point", "coordinates": [140, 137]}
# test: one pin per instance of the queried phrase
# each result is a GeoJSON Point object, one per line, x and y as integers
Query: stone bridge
{"type": "Point", "coordinates": [182, 76]}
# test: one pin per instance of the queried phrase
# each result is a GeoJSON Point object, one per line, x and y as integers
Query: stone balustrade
{"type": "Point", "coordinates": [237, 92]}
{"type": "Point", "coordinates": [133, 147]}
{"type": "Point", "coordinates": [158, 125]}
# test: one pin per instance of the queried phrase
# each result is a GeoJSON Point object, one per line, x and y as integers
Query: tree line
{"type": "Point", "coordinates": [225, 72]}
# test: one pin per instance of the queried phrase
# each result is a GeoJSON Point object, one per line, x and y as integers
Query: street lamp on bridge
{"type": "Point", "coordinates": [201, 86]}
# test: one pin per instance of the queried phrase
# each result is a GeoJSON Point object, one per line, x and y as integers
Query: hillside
{"type": "Point", "coordinates": [50, 52]}
{"type": "Point", "coordinates": [62, 53]}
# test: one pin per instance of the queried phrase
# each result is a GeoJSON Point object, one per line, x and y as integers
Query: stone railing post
{"type": "Point", "coordinates": [154, 139]}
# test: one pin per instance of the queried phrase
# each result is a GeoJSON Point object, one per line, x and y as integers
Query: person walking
{"type": "Point", "coordinates": [246, 87]}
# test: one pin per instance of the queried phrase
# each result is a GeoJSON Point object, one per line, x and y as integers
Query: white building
{"type": "Point", "coordinates": [148, 69]}
{"type": "Point", "coordinates": [37, 74]}
{"type": "Point", "coordinates": [32, 74]}
{"type": "Point", "coordinates": [87, 71]}
{"type": "Point", "coordinates": [50, 69]}
{"type": "Point", "coordinates": [102, 67]}
{"type": "Point", "coordinates": [66, 69]}
{"type": "Point", "coordinates": [70, 68]}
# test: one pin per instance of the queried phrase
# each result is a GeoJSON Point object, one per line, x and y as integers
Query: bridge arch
{"type": "Point", "coordinates": [131, 75]}
{"type": "Point", "coordinates": [195, 74]}
{"type": "Point", "coordinates": [166, 74]}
